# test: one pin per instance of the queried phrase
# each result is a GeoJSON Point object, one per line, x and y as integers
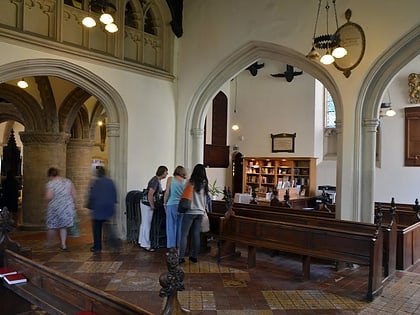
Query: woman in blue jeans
{"type": "Point", "coordinates": [174, 188]}
{"type": "Point", "coordinates": [191, 223]}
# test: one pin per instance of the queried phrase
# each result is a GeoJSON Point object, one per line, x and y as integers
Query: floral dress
{"type": "Point", "coordinates": [61, 208]}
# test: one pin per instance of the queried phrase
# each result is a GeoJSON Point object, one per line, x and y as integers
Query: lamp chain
{"type": "Point", "coordinates": [335, 13]}
{"type": "Point", "coordinates": [317, 18]}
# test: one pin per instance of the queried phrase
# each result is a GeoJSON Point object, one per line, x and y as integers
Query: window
{"type": "Point", "coordinates": [330, 115]}
{"type": "Point", "coordinates": [330, 132]}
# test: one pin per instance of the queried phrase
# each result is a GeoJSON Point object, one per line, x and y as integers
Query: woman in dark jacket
{"type": "Point", "coordinates": [102, 201]}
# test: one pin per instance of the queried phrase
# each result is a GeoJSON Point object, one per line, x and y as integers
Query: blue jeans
{"type": "Point", "coordinates": [190, 223]}
{"type": "Point", "coordinates": [173, 226]}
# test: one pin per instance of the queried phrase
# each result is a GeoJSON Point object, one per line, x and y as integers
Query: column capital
{"type": "Point", "coordinates": [197, 132]}
{"type": "Point", "coordinates": [36, 137]}
{"type": "Point", "coordinates": [371, 125]}
{"type": "Point", "coordinates": [113, 129]}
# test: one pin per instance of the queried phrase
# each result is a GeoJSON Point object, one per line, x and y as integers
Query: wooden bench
{"type": "Point", "coordinates": [363, 248]}
{"type": "Point", "coordinates": [57, 293]}
{"type": "Point", "coordinates": [325, 219]}
{"type": "Point", "coordinates": [220, 207]}
{"type": "Point", "coordinates": [408, 233]}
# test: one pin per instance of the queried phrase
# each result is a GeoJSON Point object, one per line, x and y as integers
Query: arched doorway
{"type": "Point", "coordinates": [229, 68]}
{"type": "Point", "coordinates": [89, 84]}
{"type": "Point", "coordinates": [373, 87]}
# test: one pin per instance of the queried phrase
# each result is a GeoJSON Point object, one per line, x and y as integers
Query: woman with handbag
{"type": "Point", "coordinates": [174, 188]}
{"type": "Point", "coordinates": [194, 216]}
{"type": "Point", "coordinates": [154, 189]}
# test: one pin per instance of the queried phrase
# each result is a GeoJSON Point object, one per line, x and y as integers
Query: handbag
{"type": "Point", "coordinates": [74, 230]}
{"type": "Point", "coordinates": [205, 223]}
{"type": "Point", "coordinates": [186, 198]}
{"type": "Point", "coordinates": [144, 198]}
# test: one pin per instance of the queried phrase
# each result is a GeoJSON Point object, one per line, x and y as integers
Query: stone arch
{"type": "Point", "coordinates": [70, 107]}
{"type": "Point", "coordinates": [374, 85]}
{"type": "Point", "coordinates": [231, 66]}
{"type": "Point", "coordinates": [48, 102]}
{"type": "Point", "coordinates": [31, 114]}
{"type": "Point", "coordinates": [106, 95]}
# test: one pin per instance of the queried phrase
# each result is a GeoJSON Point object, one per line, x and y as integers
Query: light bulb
{"type": "Point", "coordinates": [22, 84]}
{"type": "Point", "coordinates": [327, 59]}
{"type": "Point", "coordinates": [339, 52]}
{"type": "Point", "coordinates": [112, 28]}
{"type": "Point", "coordinates": [89, 22]}
{"type": "Point", "coordinates": [235, 127]}
{"type": "Point", "coordinates": [106, 18]}
{"type": "Point", "coordinates": [390, 112]}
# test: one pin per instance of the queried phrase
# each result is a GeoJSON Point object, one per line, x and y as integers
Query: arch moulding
{"type": "Point", "coordinates": [374, 86]}
{"type": "Point", "coordinates": [229, 68]}
{"type": "Point", "coordinates": [105, 93]}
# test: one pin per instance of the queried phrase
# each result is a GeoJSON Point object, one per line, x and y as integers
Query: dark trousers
{"type": "Point", "coordinates": [97, 234]}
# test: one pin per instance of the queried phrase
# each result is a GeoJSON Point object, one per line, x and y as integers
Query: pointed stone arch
{"type": "Point", "coordinates": [106, 95]}
{"type": "Point", "coordinates": [374, 85]}
{"type": "Point", "coordinates": [70, 107]}
{"type": "Point", "coordinates": [26, 104]}
{"type": "Point", "coordinates": [230, 67]}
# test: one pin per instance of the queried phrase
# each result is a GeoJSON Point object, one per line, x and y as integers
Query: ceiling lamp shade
{"type": "Point", "coordinates": [327, 59]}
{"type": "Point", "coordinates": [89, 22]}
{"type": "Point", "coordinates": [111, 28]}
{"type": "Point", "coordinates": [328, 42]}
{"type": "Point", "coordinates": [386, 109]}
{"type": "Point", "coordinates": [390, 112]}
{"type": "Point", "coordinates": [22, 84]}
{"type": "Point", "coordinates": [106, 18]}
{"type": "Point", "coordinates": [106, 9]}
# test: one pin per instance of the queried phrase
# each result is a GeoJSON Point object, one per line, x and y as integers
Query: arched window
{"type": "Point", "coordinates": [330, 115]}
{"type": "Point", "coordinates": [330, 132]}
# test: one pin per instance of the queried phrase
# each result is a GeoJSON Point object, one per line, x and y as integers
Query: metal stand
{"type": "Point", "coordinates": [171, 283]}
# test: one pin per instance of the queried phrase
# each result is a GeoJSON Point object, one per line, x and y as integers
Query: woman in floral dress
{"type": "Point", "coordinates": [61, 198]}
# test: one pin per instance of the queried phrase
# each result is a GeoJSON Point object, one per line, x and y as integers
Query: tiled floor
{"type": "Point", "coordinates": [273, 287]}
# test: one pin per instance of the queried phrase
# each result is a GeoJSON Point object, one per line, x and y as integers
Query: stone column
{"type": "Point", "coordinates": [198, 145]}
{"type": "Point", "coordinates": [41, 150]}
{"type": "Point", "coordinates": [79, 167]}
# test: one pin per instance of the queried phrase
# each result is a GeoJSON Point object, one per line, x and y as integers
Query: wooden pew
{"type": "Point", "coordinates": [408, 232]}
{"type": "Point", "coordinates": [57, 293]}
{"type": "Point", "coordinates": [362, 247]}
{"type": "Point", "coordinates": [316, 218]}
{"type": "Point", "coordinates": [220, 208]}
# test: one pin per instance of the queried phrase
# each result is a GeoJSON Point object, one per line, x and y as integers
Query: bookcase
{"type": "Point", "coordinates": [266, 174]}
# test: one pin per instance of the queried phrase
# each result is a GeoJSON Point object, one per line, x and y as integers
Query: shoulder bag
{"type": "Point", "coordinates": [186, 198]}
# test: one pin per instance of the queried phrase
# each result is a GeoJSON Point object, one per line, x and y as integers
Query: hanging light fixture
{"type": "Point", "coordinates": [106, 9]}
{"type": "Point", "coordinates": [235, 126]}
{"type": "Point", "coordinates": [328, 42]}
{"type": "Point", "coordinates": [22, 84]}
{"type": "Point", "coordinates": [386, 109]}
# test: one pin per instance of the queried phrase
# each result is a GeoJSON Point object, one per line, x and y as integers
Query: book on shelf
{"type": "Point", "coordinates": [15, 278]}
{"type": "Point", "coordinates": [4, 271]}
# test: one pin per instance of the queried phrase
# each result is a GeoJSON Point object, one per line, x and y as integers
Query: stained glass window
{"type": "Point", "coordinates": [330, 115]}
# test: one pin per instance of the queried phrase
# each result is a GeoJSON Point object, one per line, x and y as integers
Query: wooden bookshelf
{"type": "Point", "coordinates": [268, 174]}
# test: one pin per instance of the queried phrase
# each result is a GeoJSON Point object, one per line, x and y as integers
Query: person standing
{"type": "Point", "coordinates": [154, 189]}
{"type": "Point", "coordinates": [61, 197]}
{"type": "Point", "coordinates": [102, 201]}
{"type": "Point", "coordinates": [194, 216]}
{"type": "Point", "coordinates": [173, 191]}
{"type": "Point", "coordinates": [10, 194]}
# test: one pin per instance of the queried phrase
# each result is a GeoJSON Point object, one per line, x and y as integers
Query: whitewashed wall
{"type": "Point", "coordinates": [149, 102]}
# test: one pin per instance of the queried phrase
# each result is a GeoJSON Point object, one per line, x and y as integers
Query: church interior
{"type": "Point", "coordinates": [246, 90]}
